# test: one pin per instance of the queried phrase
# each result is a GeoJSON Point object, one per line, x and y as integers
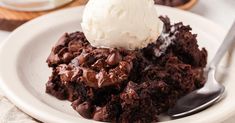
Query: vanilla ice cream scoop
{"type": "Point", "coordinates": [128, 24]}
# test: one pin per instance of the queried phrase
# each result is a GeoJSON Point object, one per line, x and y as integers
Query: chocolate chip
{"type": "Point", "coordinates": [81, 59]}
{"type": "Point", "coordinates": [74, 46]}
{"type": "Point", "coordinates": [114, 58]}
{"type": "Point", "coordinates": [90, 77]}
{"type": "Point", "coordinates": [67, 57]}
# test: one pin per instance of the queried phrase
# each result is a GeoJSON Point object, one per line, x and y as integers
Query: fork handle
{"type": "Point", "coordinates": [225, 46]}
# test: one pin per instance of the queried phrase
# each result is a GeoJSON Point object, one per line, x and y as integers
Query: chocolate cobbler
{"type": "Point", "coordinates": [126, 86]}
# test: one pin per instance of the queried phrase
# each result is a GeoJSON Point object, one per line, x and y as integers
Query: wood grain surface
{"type": "Point", "coordinates": [10, 19]}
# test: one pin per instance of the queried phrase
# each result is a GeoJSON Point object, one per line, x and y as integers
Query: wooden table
{"type": "Point", "coordinates": [9, 19]}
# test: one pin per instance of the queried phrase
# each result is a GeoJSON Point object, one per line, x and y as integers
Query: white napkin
{"type": "Point", "coordinates": [11, 114]}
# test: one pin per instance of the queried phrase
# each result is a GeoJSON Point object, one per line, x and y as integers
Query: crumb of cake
{"type": "Point", "coordinates": [119, 85]}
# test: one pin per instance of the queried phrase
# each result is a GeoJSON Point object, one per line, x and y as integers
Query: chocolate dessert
{"type": "Point", "coordinates": [171, 3]}
{"type": "Point", "coordinates": [126, 86]}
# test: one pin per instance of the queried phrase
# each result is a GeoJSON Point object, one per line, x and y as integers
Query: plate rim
{"type": "Point", "coordinates": [36, 9]}
{"type": "Point", "coordinates": [21, 104]}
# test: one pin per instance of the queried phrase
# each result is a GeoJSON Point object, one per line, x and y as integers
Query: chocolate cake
{"type": "Point", "coordinates": [171, 3]}
{"type": "Point", "coordinates": [126, 86]}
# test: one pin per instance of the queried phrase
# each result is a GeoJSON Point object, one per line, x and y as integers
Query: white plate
{"type": "Point", "coordinates": [33, 5]}
{"type": "Point", "coordinates": [24, 72]}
